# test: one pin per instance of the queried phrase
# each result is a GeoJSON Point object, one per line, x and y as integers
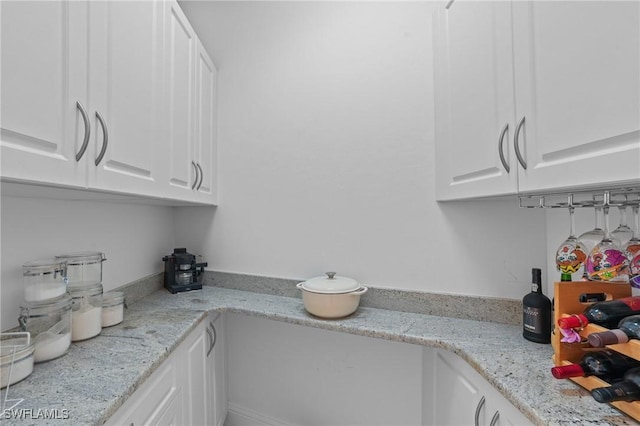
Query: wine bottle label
{"type": "Point", "coordinates": [532, 319]}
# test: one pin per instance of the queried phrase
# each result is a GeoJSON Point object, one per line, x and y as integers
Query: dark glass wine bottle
{"type": "Point", "coordinates": [606, 314]}
{"type": "Point", "coordinates": [626, 390]}
{"type": "Point", "coordinates": [536, 312]}
{"type": "Point", "coordinates": [606, 364]}
{"type": "Point", "coordinates": [628, 328]}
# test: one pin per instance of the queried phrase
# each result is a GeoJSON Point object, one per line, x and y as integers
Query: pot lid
{"type": "Point", "coordinates": [330, 284]}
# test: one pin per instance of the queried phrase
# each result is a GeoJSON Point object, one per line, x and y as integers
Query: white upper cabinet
{"type": "Point", "coordinates": [205, 142]}
{"type": "Point", "coordinates": [179, 91]}
{"type": "Point", "coordinates": [45, 116]}
{"type": "Point", "coordinates": [125, 89]}
{"type": "Point", "coordinates": [577, 67]}
{"type": "Point", "coordinates": [474, 100]}
{"type": "Point", "coordinates": [110, 96]}
{"type": "Point", "coordinates": [190, 100]}
{"type": "Point", "coordinates": [536, 96]}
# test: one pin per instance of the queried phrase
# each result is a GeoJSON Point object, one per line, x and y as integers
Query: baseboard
{"type": "Point", "coordinates": [238, 415]}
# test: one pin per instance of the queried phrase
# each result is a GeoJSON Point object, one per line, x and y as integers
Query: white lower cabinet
{"type": "Point", "coordinates": [195, 376]}
{"type": "Point", "coordinates": [189, 388]}
{"type": "Point", "coordinates": [217, 372]}
{"type": "Point", "coordinates": [286, 374]}
{"type": "Point", "coordinates": [455, 394]}
{"type": "Point", "coordinates": [157, 401]}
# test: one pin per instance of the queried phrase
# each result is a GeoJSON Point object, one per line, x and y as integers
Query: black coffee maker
{"type": "Point", "coordinates": [181, 272]}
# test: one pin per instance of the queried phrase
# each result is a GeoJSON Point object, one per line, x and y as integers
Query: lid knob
{"type": "Point", "coordinates": [330, 275]}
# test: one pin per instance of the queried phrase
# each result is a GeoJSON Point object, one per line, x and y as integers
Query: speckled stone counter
{"type": "Point", "coordinates": [96, 376]}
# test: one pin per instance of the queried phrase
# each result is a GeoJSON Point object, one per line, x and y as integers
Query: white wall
{"type": "Point", "coordinates": [326, 155]}
{"type": "Point", "coordinates": [133, 237]}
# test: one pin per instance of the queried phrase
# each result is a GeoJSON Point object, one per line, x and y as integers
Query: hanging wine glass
{"type": "Point", "coordinates": [571, 254]}
{"type": "Point", "coordinates": [607, 261]}
{"type": "Point", "coordinates": [591, 238]}
{"type": "Point", "coordinates": [622, 234]}
{"type": "Point", "coordinates": [632, 250]}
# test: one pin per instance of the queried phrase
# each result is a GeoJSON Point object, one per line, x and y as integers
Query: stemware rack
{"type": "Point", "coordinates": [567, 302]}
{"type": "Point", "coordinates": [627, 196]}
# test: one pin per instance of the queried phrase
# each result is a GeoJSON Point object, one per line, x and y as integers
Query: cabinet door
{"type": "Point", "coordinates": [205, 126]}
{"type": "Point", "coordinates": [172, 415]}
{"type": "Point", "coordinates": [456, 396]}
{"type": "Point", "coordinates": [578, 89]}
{"type": "Point", "coordinates": [461, 396]}
{"type": "Point", "coordinates": [179, 90]}
{"type": "Point", "coordinates": [156, 401]}
{"type": "Point", "coordinates": [125, 68]}
{"type": "Point", "coordinates": [474, 100]}
{"type": "Point", "coordinates": [217, 372]}
{"type": "Point", "coordinates": [196, 397]}
{"type": "Point", "coordinates": [43, 76]}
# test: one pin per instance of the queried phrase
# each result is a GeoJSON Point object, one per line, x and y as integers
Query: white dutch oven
{"type": "Point", "coordinates": [331, 296]}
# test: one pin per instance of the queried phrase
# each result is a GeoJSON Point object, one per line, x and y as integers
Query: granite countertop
{"type": "Point", "coordinates": [96, 376]}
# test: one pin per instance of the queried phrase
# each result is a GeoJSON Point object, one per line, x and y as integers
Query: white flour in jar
{"type": "Point", "coordinates": [51, 346]}
{"type": "Point", "coordinates": [86, 322]}
{"type": "Point", "coordinates": [112, 315]}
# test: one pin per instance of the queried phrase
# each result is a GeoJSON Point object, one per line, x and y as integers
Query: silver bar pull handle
{"type": "Point", "coordinates": [213, 335]}
{"type": "Point", "coordinates": [476, 419]}
{"type": "Point", "coordinates": [105, 138]}
{"type": "Point", "coordinates": [195, 181]}
{"type": "Point", "coordinates": [201, 176]}
{"type": "Point", "coordinates": [210, 341]}
{"type": "Point", "coordinates": [500, 148]}
{"type": "Point", "coordinates": [87, 131]}
{"type": "Point", "coordinates": [494, 419]}
{"type": "Point", "coordinates": [517, 147]}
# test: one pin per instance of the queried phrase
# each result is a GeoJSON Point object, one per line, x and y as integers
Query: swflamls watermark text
{"type": "Point", "coordinates": [33, 414]}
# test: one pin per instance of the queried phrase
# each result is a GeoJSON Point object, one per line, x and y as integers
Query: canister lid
{"type": "Point", "coordinates": [48, 305]}
{"type": "Point", "coordinates": [43, 267]}
{"type": "Point", "coordinates": [112, 298]}
{"type": "Point", "coordinates": [15, 347]}
{"type": "Point", "coordinates": [81, 258]}
{"type": "Point", "coordinates": [84, 290]}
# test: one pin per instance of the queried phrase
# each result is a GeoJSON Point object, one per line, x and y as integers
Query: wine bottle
{"type": "Point", "coordinates": [628, 328]}
{"type": "Point", "coordinates": [606, 364]}
{"type": "Point", "coordinates": [536, 312]}
{"type": "Point", "coordinates": [606, 314]}
{"type": "Point", "coordinates": [626, 390]}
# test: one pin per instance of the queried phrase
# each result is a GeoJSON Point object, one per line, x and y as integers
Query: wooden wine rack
{"type": "Point", "coordinates": [567, 295]}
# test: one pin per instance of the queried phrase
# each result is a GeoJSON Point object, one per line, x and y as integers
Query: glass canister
{"type": "Point", "coordinates": [49, 324]}
{"type": "Point", "coordinates": [16, 357]}
{"type": "Point", "coordinates": [112, 308]}
{"type": "Point", "coordinates": [86, 312]}
{"type": "Point", "coordinates": [83, 268]}
{"type": "Point", "coordinates": [44, 279]}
